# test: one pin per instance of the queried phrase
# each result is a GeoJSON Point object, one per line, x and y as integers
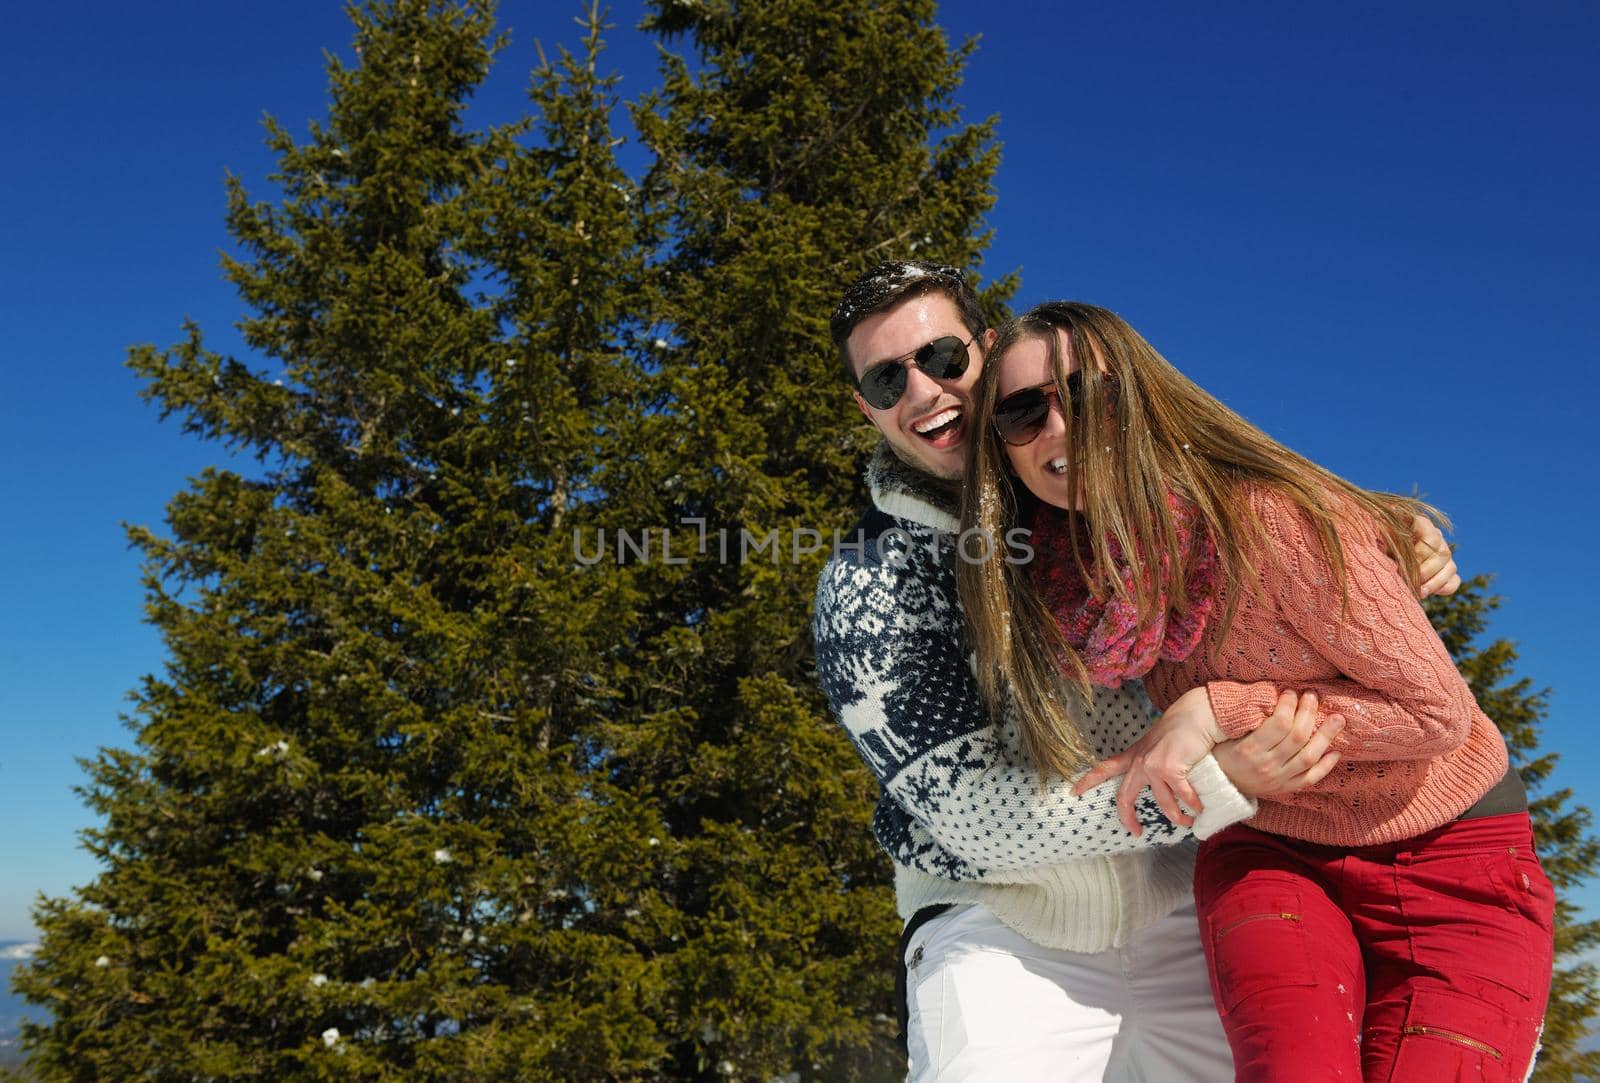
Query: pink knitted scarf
{"type": "Point", "coordinates": [1105, 630]}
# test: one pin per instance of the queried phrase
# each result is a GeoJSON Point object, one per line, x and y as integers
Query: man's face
{"type": "Point", "coordinates": [927, 427]}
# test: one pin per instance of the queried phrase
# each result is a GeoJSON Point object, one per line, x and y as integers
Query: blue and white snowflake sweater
{"type": "Point", "coordinates": [962, 815]}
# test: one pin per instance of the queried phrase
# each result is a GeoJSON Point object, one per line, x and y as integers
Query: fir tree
{"type": "Point", "coordinates": [1568, 853]}
{"type": "Point", "coordinates": [344, 844]}
{"type": "Point", "coordinates": [794, 143]}
{"type": "Point", "coordinates": [422, 794]}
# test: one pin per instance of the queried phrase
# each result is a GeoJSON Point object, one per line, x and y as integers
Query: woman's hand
{"type": "Point", "coordinates": [1436, 566]}
{"type": "Point", "coordinates": [1161, 759]}
{"type": "Point", "coordinates": [1285, 753]}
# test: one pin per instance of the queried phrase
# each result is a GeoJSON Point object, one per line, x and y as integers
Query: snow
{"type": "Point", "coordinates": [865, 294]}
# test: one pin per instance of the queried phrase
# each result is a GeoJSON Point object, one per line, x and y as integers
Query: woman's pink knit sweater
{"type": "Point", "coordinates": [1416, 750]}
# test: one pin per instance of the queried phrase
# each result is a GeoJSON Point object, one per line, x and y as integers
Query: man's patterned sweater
{"type": "Point", "coordinates": [962, 815]}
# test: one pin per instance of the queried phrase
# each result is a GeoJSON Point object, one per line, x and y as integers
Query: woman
{"type": "Point", "coordinates": [1389, 923]}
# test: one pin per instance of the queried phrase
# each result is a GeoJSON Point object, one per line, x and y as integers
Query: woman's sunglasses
{"type": "Point", "coordinates": [1019, 417]}
{"type": "Point", "coordinates": [943, 359]}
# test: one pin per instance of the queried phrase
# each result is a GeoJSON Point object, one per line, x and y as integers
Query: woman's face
{"type": "Point", "coordinates": [1041, 463]}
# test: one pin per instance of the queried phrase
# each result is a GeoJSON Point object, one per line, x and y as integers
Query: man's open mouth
{"type": "Point", "coordinates": [943, 429]}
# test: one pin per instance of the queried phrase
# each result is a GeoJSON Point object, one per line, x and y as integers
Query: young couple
{"type": "Point", "coordinates": [1366, 903]}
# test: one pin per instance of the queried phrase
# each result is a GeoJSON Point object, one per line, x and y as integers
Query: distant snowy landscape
{"type": "Point", "coordinates": [12, 1007]}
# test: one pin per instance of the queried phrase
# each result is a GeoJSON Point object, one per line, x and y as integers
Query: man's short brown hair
{"type": "Point", "coordinates": [888, 284]}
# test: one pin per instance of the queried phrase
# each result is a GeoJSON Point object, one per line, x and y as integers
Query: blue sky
{"type": "Point", "coordinates": [1371, 229]}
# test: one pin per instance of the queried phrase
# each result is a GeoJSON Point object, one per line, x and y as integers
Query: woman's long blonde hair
{"type": "Point", "coordinates": [1142, 428]}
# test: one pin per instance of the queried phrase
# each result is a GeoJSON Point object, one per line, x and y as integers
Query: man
{"type": "Point", "coordinates": [1043, 939]}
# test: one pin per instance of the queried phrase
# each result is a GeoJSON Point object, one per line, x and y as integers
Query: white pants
{"type": "Point", "coordinates": [986, 1004]}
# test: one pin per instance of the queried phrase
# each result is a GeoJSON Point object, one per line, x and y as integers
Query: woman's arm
{"type": "Point", "coordinates": [1400, 693]}
{"type": "Point", "coordinates": [1289, 751]}
{"type": "Point", "coordinates": [893, 665]}
{"type": "Point", "coordinates": [1400, 696]}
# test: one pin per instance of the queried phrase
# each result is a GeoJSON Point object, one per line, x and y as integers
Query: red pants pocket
{"type": "Point", "coordinates": [1448, 1037]}
{"type": "Point", "coordinates": [1467, 912]}
{"type": "Point", "coordinates": [1256, 940]}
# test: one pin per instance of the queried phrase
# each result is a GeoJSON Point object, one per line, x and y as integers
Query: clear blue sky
{"type": "Point", "coordinates": [1372, 229]}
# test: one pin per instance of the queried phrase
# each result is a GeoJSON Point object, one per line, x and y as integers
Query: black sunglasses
{"type": "Point", "coordinates": [943, 359]}
{"type": "Point", "coordinates": [1019, 417]}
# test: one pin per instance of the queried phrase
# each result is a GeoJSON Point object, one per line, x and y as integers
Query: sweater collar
{"type": "Point", "coordinates": [905, 492]}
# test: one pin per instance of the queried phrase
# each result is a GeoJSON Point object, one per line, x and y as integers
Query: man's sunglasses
{"type": "Point", "coordinates": [943, 359]}
{"type": "Point", "coordinates": [1019, 417]}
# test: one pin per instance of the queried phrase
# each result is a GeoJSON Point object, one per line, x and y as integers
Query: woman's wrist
{"type": "Point", "coordinates": [1195, 706]}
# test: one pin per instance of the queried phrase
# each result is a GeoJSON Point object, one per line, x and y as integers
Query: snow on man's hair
{"type": "Point", "coordinates": [890, 282]}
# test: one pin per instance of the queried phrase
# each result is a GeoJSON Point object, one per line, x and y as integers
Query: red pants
{"type": "Point", "coordinates": [1419, 961]}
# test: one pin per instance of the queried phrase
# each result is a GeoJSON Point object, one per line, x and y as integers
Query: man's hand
{"type": "Point", "coordinates": [1436, 567]}
{"type": "Point", "coordinates": [1161, 759]}
{"type": "Point", "coordinates": [1286, 753]}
